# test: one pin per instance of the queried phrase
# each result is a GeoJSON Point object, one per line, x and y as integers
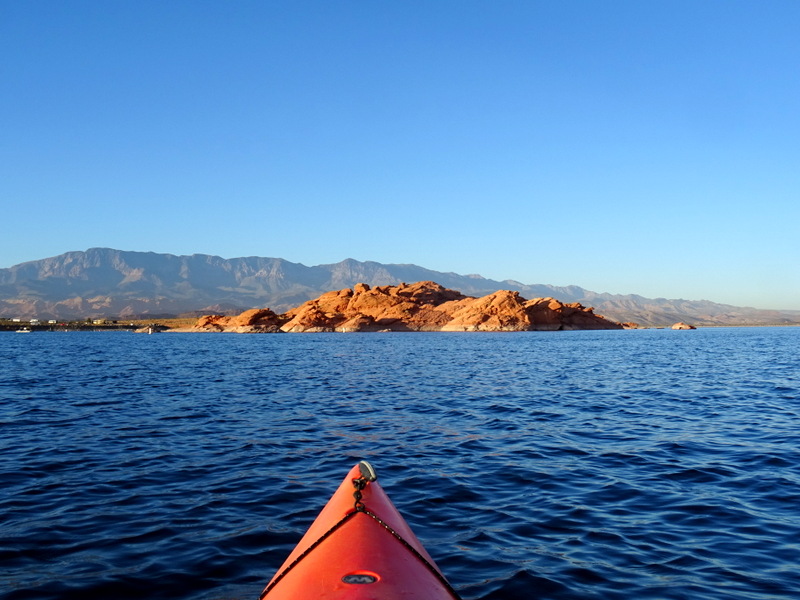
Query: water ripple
{"type": "Point", "coordinates": [647, 464]}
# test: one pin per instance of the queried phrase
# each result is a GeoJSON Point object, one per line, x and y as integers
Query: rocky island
{"type": "Point", "coordinates": [422, 306]}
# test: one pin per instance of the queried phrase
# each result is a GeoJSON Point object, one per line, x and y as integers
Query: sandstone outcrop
{"type": "Point", "coordinates": [422, 306]}
{"type": "Point", "coordinates": [256, 320]}
{"type": "Point", "coordinates": [682, 325]}
{"type": "Point", "coordinates": [415, 307]}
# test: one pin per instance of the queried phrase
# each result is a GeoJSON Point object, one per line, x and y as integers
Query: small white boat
{"type": "Point", "coordinates": [24, 330]}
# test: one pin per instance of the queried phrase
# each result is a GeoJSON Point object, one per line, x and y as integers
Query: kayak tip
{"type": "Point", "coordinates": [367, 471]}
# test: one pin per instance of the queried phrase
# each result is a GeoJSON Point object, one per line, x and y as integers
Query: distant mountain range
{"type": "Point", "coordinates": [102, 282]}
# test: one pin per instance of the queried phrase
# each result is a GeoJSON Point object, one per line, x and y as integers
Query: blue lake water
{"type": "Point", "coordinates": [572, 465]}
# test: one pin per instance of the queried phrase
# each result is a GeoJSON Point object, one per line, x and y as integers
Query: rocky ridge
{"type": "Point", "coordinates": [117, 284]}
{"type": "Point", "coordinates": [422, 306]}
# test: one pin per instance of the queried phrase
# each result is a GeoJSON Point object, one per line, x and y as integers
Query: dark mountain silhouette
{"type": "Point", "coordinates": [103, 282]}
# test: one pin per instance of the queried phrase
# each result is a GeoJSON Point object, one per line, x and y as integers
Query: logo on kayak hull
{"type": "Point", "coordinates": [361, 577]}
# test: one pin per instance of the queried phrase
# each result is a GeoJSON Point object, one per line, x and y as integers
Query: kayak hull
{"type": "Point", "coordinates": [355, 554]}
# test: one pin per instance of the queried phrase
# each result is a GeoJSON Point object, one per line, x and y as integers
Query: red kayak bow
{"type": "Point", "coordinates": [359, 548]}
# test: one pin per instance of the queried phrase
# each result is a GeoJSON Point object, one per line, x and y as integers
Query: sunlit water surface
{"type": "Point", "coordinates": [613, 464]}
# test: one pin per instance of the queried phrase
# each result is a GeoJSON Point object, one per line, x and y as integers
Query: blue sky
{"type": "Point", "coordinates": [626, 147]}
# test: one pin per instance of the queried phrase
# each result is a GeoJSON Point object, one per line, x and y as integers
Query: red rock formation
{"type": "Point", "coordinates": [682, 325]}
{"type": "Point", "coordinates": [403, 307]}
{"type": "Point", "coordinates": [256, 320]}
{"type": "Point", "coordinates": [501, 311]}
{"type": "Point", "coordinates": [423, 306]}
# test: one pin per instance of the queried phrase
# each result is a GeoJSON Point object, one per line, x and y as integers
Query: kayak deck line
{"type": "Point", "coordinates": [305, 553]}
{"type": "Point", "coordinates": [410, 548]}
{"type": "Point", "coordinates": [355, 560]}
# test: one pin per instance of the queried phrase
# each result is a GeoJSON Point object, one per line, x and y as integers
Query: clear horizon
{"type": "Point", "coordinates": [628, 148]}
